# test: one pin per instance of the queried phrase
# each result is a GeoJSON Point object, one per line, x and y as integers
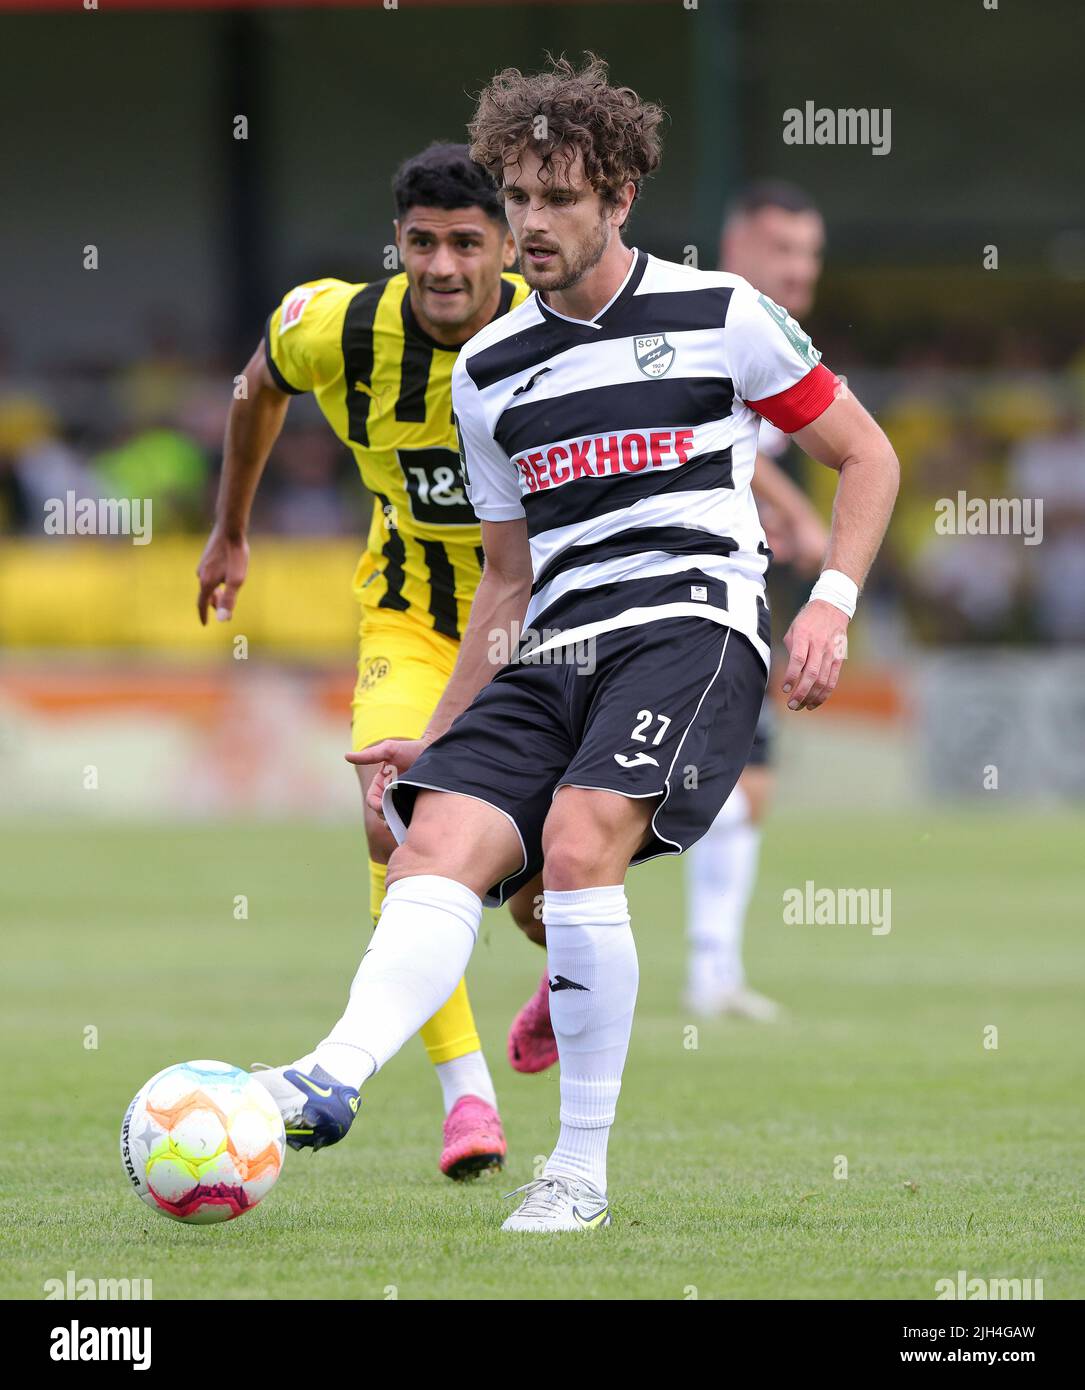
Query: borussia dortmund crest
{"type": "Point", "coordinates": [654, 354]}
{"type": "Point", "coordinates": [374, 671]}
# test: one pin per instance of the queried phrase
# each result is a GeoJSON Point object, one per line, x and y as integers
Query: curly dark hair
{"type": "Point", "coordinates": [617, 133]}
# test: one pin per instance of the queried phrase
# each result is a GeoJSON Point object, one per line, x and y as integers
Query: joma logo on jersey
{"type": "Point", "coordinates": [603, 455]}
{"type": "Point", "coordinates": [654, 354]}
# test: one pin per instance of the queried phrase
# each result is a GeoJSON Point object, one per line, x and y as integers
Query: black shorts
{"type": "Point", "coordinates": [668, 711]}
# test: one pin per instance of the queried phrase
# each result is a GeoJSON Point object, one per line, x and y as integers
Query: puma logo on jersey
{"type": "Point", "coordinates": [368, 391]}
{"type": "Point", "coordinates": [530, 382]}
{"type": "Point", "coordinates": [635, 759]}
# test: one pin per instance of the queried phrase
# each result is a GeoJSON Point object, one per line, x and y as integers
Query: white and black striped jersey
{"type": "Point", "coordinates": [628, 442]}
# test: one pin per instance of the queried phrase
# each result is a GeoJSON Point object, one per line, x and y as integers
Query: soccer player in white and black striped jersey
{"type": "Point", "coordinates": [608, 430]}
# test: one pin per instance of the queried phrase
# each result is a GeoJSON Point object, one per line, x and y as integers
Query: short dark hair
{"type": "Point", "coordinates": [445, 176]}
{"type": "Point", "coordinates": [770, 193]}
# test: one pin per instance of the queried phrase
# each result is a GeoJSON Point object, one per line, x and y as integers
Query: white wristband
{"type": "Point", "coordinates": [836, 588]}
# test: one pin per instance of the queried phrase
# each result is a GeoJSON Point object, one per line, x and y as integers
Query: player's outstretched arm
{"type": "Point", "coordinates": [500, 602]}
{"type": "Point", "coordinates": [252, 427]}
{"type": "Point", "coordinates": [846, 438]}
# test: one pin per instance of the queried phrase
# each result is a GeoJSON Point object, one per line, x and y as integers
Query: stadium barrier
{"type": "Point", "coordinates": [108, 669]}
{"type": "Point", "coordinates": [1006, 724]}
{"type": "Point", "coordinates": [85, 593]}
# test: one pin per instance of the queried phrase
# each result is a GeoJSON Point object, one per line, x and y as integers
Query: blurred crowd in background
{"type": "Point", "coordinates": [154, 429]}
{"type": "Point", "coordinates": [1013, 429]}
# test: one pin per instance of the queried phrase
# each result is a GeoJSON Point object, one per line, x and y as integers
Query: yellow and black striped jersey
{"type": "Point", "coordinates": [385, 387]}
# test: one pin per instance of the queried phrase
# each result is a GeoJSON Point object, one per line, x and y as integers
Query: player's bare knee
{"type": "Point", "coordinates": [409, 860]}
{"type": "Point", "coordinates": [573, 861]}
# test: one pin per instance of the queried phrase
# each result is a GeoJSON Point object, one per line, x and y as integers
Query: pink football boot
{"type": "Point", "coordinates": [532, 1046]}
{"type": "Point", "coordinates": [474, 1140]}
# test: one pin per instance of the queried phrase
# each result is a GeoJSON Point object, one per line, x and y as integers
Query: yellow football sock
{"type": "Point", "coordinates": [451, 1032]}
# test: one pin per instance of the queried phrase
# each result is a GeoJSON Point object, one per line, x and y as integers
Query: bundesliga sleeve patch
{"type": "Point", "coordinates": [791, 330]}
{"type": "Point", "coordinates": [293, 308]}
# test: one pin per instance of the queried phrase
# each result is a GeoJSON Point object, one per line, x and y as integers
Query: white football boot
{"type": "Point", "coordinates": [558, 1203]}
{"type": "Point", "coordinates": [737, 1001]}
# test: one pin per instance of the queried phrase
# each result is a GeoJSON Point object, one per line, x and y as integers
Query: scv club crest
{"type": "Point", "coordinates": [654, 354]}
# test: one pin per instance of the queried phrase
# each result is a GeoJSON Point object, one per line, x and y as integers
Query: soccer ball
{"type": "Point", "coordinates": [202, 1142]}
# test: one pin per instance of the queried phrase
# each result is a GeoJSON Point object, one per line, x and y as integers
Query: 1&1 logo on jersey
{"type": "Point", "coordinates": [654, 354]}
{"type": "Point", "coordinates": [434, 486]}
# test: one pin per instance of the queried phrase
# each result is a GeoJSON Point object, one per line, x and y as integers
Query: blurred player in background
{"type": "Point", "coordinates": [379, 356]}
{"type": "Point", "coordinates": [773, 235]}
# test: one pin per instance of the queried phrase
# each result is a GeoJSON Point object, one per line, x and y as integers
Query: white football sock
{"type": "Point", "coordinates": [722, 868]}
{"type": "Point", "coordinates": [593, 961]}
{"type": "Point", "coordinates": [465, 1076]}
{"type": "Point", "coordinates": [416, 958]}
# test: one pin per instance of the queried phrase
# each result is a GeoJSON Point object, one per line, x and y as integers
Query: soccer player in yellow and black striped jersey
{"type": "Point", "coordinates": [378, 357]}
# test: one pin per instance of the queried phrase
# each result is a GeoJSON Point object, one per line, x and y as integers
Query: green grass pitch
{"type": "Point", "coordinates": [722, 1162]}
